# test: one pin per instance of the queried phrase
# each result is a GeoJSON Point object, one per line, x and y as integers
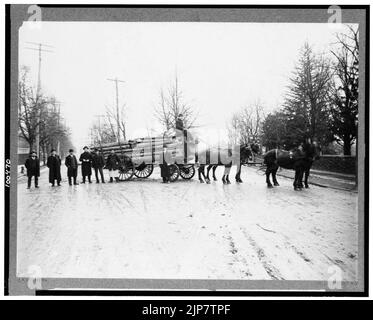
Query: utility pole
{"type": "Point", "coordinates": [40, 49]}
{"type": "Point", "coordinates": [57, 109]}
{"type": "Point", "coordinates": [116, 80]}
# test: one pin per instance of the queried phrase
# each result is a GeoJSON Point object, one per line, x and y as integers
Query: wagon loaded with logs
{"type": "Point", "coordinates": [139, 156]}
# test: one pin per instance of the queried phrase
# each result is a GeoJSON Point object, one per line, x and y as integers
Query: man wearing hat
{"type": "Point", "coordinates": [54, 165]}
{"type": "Point", "coordinates": [72, 167]}
{"type": "Point", "coordinates": [86, 160]}
{"type": "Point", "coordinates": [32, 165]}
{"type": "Point", "coordinates": [98, 162]}
{"type": "Point", "coordinates": [112, 164]}
{"type": "Point", "coordinates": [165, 170]}
{"type": "Point", "coordinates": [179, 122]}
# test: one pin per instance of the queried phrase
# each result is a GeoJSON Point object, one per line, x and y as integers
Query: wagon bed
{"type": "Point", "coordinates": [139, 156]}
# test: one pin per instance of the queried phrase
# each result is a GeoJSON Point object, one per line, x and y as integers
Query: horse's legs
{"type": "Point", "coordinates": [207, 179]}
{"type": "Point", "coordinates": [213, 172]}
{"type": "Point", "coordinates": [201, 172]}
{"type": "Point", "coordinates": [295, 182]}
{"type": "Point", "coordinates": [300, 169]}
{"type": "Point", "coordinates": [300, 181]}
{"type": "Point", "coordinates": [225, 178]}
{"type": "Point", "coordinates": [306, 174]}
{"type": "Point", "coordinates": [274, 171]}
{"type": "Point", "coordinates": [227, 170]}
{"type": "Point", "coordinates": [208, 171]}
{"type": "Point", "coordinates": [298, 178]}
{"type": "Point", "coordinates": [268, 172]}
{"type": "Point", "coordinates": [238, 174]}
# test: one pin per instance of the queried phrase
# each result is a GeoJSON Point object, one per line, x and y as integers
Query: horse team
{"type": "Point", "coordinates": [300, 160]}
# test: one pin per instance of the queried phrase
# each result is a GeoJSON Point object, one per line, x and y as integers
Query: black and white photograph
{"type": "Point", "coordinates": [187, 148]}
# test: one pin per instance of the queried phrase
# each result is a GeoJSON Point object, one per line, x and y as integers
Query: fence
{"type": "Point", "coordinates": [333, 163]}
{"type": "Point", "coordinates": [336, 163]}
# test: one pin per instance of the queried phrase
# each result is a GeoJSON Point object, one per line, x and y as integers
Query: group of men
{"type": "Point", "coordinates": [88, 161]}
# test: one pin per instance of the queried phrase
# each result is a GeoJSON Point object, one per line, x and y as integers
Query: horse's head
{"type": "Point", "coordinates": [247, 151]}
{"type": "Point", "coordinates": [312, 149]}
{"type": "Point", "coordinates": [255, 148]}
{"type": "Point", "coordinates": [316, 150]}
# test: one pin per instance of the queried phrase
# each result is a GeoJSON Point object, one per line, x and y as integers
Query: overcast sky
{"type": "Point", "coordinates": [221, 67]}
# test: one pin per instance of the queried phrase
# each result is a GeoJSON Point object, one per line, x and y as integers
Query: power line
{"type": "Point", "coordinates": [38, 43]}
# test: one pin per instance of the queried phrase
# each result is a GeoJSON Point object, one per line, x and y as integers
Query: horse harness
{"type": "Point", "coordinates": [276, 155]}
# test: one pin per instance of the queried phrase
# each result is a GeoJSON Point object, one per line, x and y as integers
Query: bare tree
{"type": "Point", "coordinates": [234, 129]}
{"type": "Point", "coordinates": [29, 107]}
{"type": "Point", "coordinates": [163, 113]}
{"type": "Point", "coordinates": [36, 110]}
{"type": "Point", "coordinates": [114, 121]}
{"type": "Point", "coordinates": [51, 128]}
{"type": "Point", "coordinates": [103, 132]}
{"type": "Point", "coordinates": [346, 91]}
{"type": "Point", "coordinates": [246, 124]}
{"type": "Point", "coordinates": [172, 105]}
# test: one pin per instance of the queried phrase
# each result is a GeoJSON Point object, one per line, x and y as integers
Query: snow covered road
{"type": "Point", "coordinates": [146, 229]}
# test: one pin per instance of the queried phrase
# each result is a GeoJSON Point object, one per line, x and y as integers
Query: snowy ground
{"type": "Point", "coordinates": [146, 229]}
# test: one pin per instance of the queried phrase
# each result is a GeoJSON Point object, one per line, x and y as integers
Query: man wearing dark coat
{"type": "Point", "coordinates": [112, 164]}
{"type": "Point", "coordinates": [32, 165]}
{"type": "Point", "coordinates": [86, 160]}
{"type": "Point", "coordinates": [179, 122]}
{"type": "Point", "coordinates": [54, 165]}
{"type": "Point", "coordinates": [72, 167]}
{"type": "Point", "coordinates": [98, 162]}
{"type": "Point", "coordinates": [165, 170]}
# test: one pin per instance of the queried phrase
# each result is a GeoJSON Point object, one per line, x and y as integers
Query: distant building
{"type": "Point", "coordinates": [23, 150]}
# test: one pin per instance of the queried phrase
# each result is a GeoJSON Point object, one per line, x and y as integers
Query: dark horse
{"type": "Point", "coordinates": [246, 152]}
{"type": "Point", "coordinates": [300, 160]}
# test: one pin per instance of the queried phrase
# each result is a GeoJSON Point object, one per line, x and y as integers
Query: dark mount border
{"type": "Point", "coordinates": [7, 147]}
{"type": "Point", "coordinates": [156, 292]}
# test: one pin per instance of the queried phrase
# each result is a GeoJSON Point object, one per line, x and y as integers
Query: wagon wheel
{"type": "Point", "coordinates": [125, 173]}
{"type": "Point", "coordinates": [174, 172]}
{"type": "Point", "coordinates": [187, 172]}
{"type": "Point", "coordinates": [143, 170]}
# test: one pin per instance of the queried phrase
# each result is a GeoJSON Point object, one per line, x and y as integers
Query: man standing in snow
{"type": "Point", "coordinates": [112, 164]}
{"type": "Point", "coordinates": [165, 170]}
{"type": "Point", "coordinates": [86, 160]}
{"type": "Point", "coordinates": [54, 165]}
{"type": "Point", "coordinates": [98, 163]}
{"type": "Point", "coordinates": [33, 169]}
{"type": "Point", "coordinates": [72, 166]}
